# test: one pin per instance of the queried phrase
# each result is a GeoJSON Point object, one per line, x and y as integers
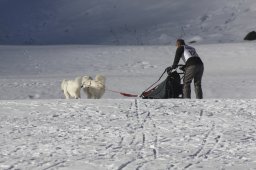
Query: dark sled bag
{"type": "Point", "coordinates": [171, 87]}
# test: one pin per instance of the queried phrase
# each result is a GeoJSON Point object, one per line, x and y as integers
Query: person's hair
{"type": "Point", "coordinates": [180, 41]}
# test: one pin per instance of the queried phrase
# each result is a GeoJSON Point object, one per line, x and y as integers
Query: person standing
{"type": "Point", "coordinates": [194, 68]}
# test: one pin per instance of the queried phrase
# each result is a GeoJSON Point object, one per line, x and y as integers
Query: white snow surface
{"type": "Point", "coordinates": [39, 129]}
{"type": "Point", "coordinates": [37, 71]}
{"type": "Point", "coordinates": [128, 134]}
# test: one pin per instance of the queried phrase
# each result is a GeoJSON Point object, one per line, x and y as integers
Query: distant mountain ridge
{"type": "Point", "coordinates": [123, 22]}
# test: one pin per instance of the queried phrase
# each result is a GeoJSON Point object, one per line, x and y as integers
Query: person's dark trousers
{"type": "Point", "coordinates": [193, 72]}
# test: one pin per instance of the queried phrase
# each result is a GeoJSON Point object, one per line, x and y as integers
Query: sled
{"type": "Point", "coordinates": [171, 87]}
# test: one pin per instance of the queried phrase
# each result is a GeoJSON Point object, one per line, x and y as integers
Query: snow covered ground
{"type": "Point", "coordinates": [37, 71]}
{"type": "Point", "coordinates": [128, 134]}
{"type": "Point", "coordinates": [40, 130]}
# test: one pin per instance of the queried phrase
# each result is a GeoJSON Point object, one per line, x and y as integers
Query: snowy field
{"type": "Point", "coordinates": [128, 134]}
{"type": "Point", "coordinates": [39, 129]}
{"type": "Point", "coordinates": [36, 72]}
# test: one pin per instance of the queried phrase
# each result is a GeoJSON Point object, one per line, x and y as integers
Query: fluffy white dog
{"type": "Point", "coordinates": [71, 88]}
{"type": "Point", "coordinates": [94, 88]}
{"type": "Point", "coordinates": [83, 81]}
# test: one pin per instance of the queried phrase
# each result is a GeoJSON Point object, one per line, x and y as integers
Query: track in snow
{"type": "Point", "coordinates": [127, 134]}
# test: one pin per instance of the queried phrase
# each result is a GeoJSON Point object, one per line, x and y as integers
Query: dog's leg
{"type": "Point", "coordinates": [66, 94]}
{"type": "Point", "coordinates": [89, 95]}
{"type": "Point", "coordinates": [78, 96]}
{"type": "Point", "coordinates": [86, 91]}
{"type": "Point", "coordinates": [94, 96]}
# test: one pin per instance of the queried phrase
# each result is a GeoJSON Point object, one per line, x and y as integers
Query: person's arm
{"type": "Point", "coordinates": [178, 55]}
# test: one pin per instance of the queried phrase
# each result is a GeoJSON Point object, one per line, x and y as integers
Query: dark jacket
{"type": "Point", "coordinates": [191, 61]}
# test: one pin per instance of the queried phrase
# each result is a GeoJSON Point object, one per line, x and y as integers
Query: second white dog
{"type": "Point", "coordinates": [94, 88]}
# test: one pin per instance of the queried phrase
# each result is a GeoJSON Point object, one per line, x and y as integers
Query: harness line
{"type": "Point", "coordinates": [124, 94]}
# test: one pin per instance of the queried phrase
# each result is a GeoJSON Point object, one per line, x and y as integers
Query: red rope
{"type": "Point", "coordinates": [124, 94]}
{"type": "Point", "coordinates": [129, 95]}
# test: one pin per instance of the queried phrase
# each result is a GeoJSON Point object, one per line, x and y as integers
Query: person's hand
{"type": "Point", "coordinates": [174, 67]}
{"type": "Point", "coordinates": [168, 69]}
{"type": "Point", "coordinates": [183, 68]}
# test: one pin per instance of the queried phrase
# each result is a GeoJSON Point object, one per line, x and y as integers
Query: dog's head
{"type": "Point", "coordinates": [86, 81]}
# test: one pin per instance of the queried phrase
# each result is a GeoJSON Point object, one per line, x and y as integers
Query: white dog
{"type": "Point", "coordinates": [71, 88]}
{"type": "Point", "coordinates": [83, 81]}
{"type": "Point", "coordinates": [94, 88]}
